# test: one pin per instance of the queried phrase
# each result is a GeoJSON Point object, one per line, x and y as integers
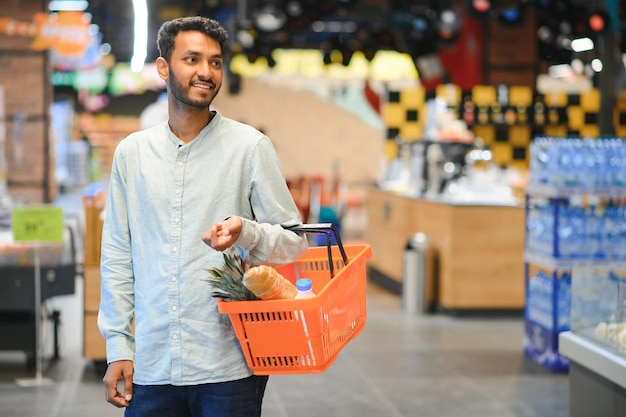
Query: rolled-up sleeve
{"type": "Point", "coordinates": [266, 238]}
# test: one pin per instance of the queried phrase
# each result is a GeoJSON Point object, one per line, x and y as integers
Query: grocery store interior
{"type": "Point", "coordinates": [469, 153]}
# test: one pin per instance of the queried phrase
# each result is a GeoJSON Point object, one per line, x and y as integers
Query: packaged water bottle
{"type": "Point", "coordinates": [305, 288]}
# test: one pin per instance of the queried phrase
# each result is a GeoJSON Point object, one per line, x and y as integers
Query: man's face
{"type": "Point", "coordinates": [195, 70]}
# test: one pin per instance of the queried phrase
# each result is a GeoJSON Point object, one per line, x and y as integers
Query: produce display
{"type": "Point", "coordinates": [613, 332]}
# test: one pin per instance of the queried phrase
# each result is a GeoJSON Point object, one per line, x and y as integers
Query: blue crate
{"type": "Point", "coordinates": [542, 346]}
{"type": "Point", "coordinates": [548, 297]}
{"type": "Point", "coordinates": [576, 228]}
{"type": "Point", "coordinates": [546, 314]}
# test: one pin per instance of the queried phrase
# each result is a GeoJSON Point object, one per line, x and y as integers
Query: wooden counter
{"type": "Point", "coordinates": [480, 249]}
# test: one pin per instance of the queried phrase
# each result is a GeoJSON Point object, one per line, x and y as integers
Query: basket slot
{"type": "Point", "coordinates": [284, 362]}
{"type": "Point", "coordinates": [316, 266]}
{"type": "Point", "coordinates": [269, 317]}
{"type": "Point", "coordinates": [345, 319]}
{"type": "Point", "coordinates": [280, 362]}
{"type": "Point", "coordinates": [326, 229]}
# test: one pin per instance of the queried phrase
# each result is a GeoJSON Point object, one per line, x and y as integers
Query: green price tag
{"type": "Point", "coordinates": [43, 223]}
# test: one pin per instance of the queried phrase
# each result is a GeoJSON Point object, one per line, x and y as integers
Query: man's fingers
{"type": "Point", "coordinates": [114, 397]}
{"type": "Point", "coordinates": [128, 387]}
{"type": "Point", "coordinates": [121, 371]}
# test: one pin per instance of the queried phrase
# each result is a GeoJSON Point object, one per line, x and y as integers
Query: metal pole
{"type": "Point", "coordinates": [39, 379]}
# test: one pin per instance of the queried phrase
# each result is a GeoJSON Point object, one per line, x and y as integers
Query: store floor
{"type": "Point", "coordinates": [436, 365]}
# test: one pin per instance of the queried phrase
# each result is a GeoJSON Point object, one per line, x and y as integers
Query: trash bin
{"type": "Point", "coordinates": [418, 278]}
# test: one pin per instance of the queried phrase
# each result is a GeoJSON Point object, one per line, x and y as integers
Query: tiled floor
{"type": "Point", "coordinates": [399, 366]}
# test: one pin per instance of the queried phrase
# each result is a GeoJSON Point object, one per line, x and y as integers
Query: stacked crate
{"type": "Point", "coordinates": [575, 217]}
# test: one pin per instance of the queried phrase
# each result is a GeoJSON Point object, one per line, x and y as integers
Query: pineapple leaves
{"type": "Point", "coordinates": [227, 282]}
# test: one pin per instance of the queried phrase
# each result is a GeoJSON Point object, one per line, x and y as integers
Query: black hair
{"type": "Point", "coordinates": [169, 30]}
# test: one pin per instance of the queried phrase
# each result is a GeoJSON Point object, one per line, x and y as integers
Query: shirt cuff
{"type": "Point", "coordinates": [119, 349]}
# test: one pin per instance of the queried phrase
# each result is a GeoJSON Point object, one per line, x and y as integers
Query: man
{"type": "Point", "coordinates": [197, 177]}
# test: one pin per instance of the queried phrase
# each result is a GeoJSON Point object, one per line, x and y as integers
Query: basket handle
{"type": "Point", "coordinates": [325, 229]}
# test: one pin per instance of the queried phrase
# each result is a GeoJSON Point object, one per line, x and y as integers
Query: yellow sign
{"type": "Point", "coordinates": [309, 63]}
{"type": "Point", "coordinates": [42, 223]}
{"type": "Point", "coordinates": [65, 32]}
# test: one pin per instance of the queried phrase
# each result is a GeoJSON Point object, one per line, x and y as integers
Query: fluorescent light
{"type": "Point", "coordinates": [582, 45]}
{"type": "Point", "coordinates": [68, 5]}
{"type": "Point", "coordinates": [140, 46]}
{"type": "Point", "coordinates": [597, 65]}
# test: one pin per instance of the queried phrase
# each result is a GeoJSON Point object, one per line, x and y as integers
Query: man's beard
{"type": "Point", "coordinates": [181, 94]}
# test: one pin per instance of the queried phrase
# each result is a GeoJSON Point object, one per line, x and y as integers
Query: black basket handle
{"type": "Point", "coordinates": [325, 229]}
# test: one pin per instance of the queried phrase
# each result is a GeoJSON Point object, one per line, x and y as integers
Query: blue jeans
{"type": "Point", "coordinates": [240, 398]}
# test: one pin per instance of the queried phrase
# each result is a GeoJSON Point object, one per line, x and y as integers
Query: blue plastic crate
{"type": "Point", "coordinates": [542, 346]}
{"type": "Point", "coordinates": [546, 314]}
{"type": "Point", "coordinates": [576, 228]}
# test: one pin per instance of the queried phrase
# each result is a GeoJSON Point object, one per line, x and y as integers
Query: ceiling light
{"type": "Point", "coordinates": [245, 38]}
{"type": "Point", "coordinates": [582, 45]}
{"type": "Point", "coordinates": [513, 15]}
{"type": "Point", "coordinates": [140, 45]}
{"type": "Point", "coordinates": [560, 71]}
{"type": "Point", "coordinates": [597, 65]}
{"type": "Point", "coordinates": [269, 18]}
{"type": "Point", "coordinates": [578, 66]}
{"type": "Point", "coordinates": [481, 6]}
{"type": "Point", "coordinates": [294, 8]}
{"type": "Point", "coordinates": [599, 22]}
{"type": "Point", "coordinates": [449, 24]}
{"type": "Point", "coordinates": [68, 5]}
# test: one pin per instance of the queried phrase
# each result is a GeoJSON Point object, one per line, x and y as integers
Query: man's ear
{"type": "Point", "coordinates": [163, 68]}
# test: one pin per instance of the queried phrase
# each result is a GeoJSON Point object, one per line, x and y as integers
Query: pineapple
{"type": "Point", "coordinates": [228, 282]}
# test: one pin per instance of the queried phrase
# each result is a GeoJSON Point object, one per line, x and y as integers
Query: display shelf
{"type": "Point", "coordinates": [549, 191]}
{"type": "Point", "coordinates": [594, 355]}
{"type": "Point", "coordinates": [542, 346]}
{"type": "Point", "coordinates": [568, 226]}
{"type": "Point", "coordinates": [555, 263]}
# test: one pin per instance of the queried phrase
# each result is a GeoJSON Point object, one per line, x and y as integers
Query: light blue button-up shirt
{"type": "Point", "coordinates": [163, 195]}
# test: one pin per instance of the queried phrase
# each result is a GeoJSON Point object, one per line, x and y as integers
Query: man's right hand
{"type": "Point", "coordinates": [118, 371]}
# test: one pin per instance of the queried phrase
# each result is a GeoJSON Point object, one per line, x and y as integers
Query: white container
{"type": "Point", "coordinates": [305, 288]}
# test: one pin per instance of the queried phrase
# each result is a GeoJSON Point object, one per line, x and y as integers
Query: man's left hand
{"type": "Point", "coordinates": [222, 235]}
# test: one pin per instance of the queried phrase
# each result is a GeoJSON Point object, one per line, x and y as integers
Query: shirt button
{"type": "Point", "coordinates": [173, 278]}
{"type": "Point", "coordinates": [174, 249]}
{"type": "Point", "coordinates": [176, 220]}
{"type": "Point", "coordinates": [174, 336]}
{"type": "Point", "coordinates": [173, 308]}
{"type": "Point", "coordinates": [178, 192]}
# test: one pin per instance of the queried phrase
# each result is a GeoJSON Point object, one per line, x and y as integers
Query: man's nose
{"type": "Point", "coordinates": [204, 70]}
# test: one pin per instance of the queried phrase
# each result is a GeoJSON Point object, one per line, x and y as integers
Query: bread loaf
{"type": "Point", "coordinates": [267, 284]}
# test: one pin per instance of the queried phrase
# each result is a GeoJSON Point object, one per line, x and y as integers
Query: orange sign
{"type": "Point", "coordinates": [65, 32]}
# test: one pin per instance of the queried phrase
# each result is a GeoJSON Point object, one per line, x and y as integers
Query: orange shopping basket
{"type": "Point", "coordinates": [306, 335]}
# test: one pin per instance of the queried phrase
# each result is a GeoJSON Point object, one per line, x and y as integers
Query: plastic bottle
{"type": "Point", "coordinates": [305, 288]}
